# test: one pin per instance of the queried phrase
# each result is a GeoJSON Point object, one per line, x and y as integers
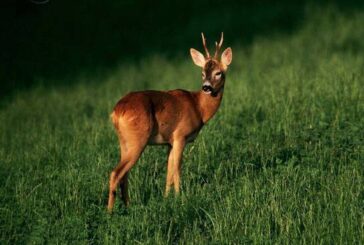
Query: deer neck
{"type": "Point", "coordinates": [208, 104]}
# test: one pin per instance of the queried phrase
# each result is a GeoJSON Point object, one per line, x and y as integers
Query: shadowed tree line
{"type": "Point", "coordinates": [55, 41]}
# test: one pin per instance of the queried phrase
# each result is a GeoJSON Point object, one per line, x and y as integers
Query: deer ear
{"type": "Point", "coordinates": [197, 58]}
{"type": "Point", "coordinates": [227, 56]}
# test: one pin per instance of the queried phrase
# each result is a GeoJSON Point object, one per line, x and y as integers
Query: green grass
{"type": "Point", "coordinates": [281, 162]}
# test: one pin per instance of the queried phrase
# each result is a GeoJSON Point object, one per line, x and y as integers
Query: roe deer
{"type": "Point", "coordinates": [173, 118]}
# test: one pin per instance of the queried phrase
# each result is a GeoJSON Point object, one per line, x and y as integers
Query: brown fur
{"type": "Point", "coordinates": [171, 117]}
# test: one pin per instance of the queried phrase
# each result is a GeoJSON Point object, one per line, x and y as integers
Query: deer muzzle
{"type": "Point", "coordinates": [207, 87]}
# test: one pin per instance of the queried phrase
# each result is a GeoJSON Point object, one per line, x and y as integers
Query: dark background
{"type": "Point", "coordinates": [51, 43]}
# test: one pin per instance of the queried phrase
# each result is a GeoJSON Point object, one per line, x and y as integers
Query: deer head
{"type": "Point", "coordinates": [213, 68]}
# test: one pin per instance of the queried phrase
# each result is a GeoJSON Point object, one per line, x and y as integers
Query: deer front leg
{"type": "Point", "coordinates": [178, 147]}
{"type": "Point", "coordinates": [169, 179]}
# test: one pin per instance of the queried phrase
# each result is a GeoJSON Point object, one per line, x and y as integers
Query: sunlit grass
{"type": "Point", "coordinates": [281, 162]}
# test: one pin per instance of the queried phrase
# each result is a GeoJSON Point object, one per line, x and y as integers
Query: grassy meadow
{"type": "Point", "coordinates": [281, 162]}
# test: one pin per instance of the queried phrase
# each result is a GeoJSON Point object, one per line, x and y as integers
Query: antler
{"type": "Point", "coordinates": [204, 45]}
{"type": "Point", "coordinates": [218, 45]}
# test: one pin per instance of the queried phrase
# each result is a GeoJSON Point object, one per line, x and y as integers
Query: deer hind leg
{"type": "Point", "coordinates": [124, 190]}
{"type": "Point", "coordinates": [130, 153]}
{"type": "Point", "coordinates": [127, 162]}
{"type": "Point", "coordinates": [123, 184]}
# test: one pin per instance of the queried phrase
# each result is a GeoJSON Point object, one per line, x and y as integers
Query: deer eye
{"type": "Point", "coordinates": [218, 75]}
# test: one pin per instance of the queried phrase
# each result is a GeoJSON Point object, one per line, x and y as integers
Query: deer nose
{"type": "Point", "coordinates": [207, 87]}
